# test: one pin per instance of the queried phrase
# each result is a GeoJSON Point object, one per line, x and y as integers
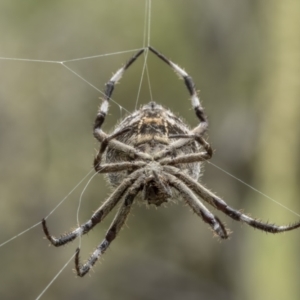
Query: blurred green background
{"type": "Point", "coordinates": [245, 58]}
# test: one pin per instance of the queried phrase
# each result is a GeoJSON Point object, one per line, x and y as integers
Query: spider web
{"type": "Point", "coordinates": [52, 95]}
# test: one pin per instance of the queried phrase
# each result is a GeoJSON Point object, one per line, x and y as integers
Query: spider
{"type": "Point", "coordinates": [154, 154]}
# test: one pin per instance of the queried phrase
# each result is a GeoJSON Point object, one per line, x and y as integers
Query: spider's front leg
{"type": "Point", "coordinates": [110, 85]}
{"type": "Point", "coordinates": [199, 111]}
{"type": "Point", "coordinates": [113, 230]}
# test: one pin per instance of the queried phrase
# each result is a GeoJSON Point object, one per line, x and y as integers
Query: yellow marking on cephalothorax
{"type": "Point", "coordinates": [146, 138]}
{"type": "Point", "coordinates": [157, 121]}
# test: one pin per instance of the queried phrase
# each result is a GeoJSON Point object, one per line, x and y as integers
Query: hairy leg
{"type": "Point", "coordinates": [113, 230]}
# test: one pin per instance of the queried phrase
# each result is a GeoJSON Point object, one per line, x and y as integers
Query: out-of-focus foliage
{"type": "Point", "coordinates": [243, 55]}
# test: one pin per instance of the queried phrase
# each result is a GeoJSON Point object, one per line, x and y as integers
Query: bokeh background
{"type": "Point", "coordinates": [244, 57]}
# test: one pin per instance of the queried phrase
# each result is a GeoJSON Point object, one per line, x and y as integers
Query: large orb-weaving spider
{"type": "Point", "coordinates": [153, 153]}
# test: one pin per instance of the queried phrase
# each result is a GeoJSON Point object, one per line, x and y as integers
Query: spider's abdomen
{"type": "Point", "coordinates": [151, 128]}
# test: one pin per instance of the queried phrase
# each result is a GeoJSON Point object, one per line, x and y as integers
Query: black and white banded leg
{"type": "Point", "coordinates": [199, 111]}
{"type": "Point", "coordinates": [113, 230]}
{"type": "Point", "coordinates": [197, 206]}
{"type": "Point", "coordinates": [110, 85]}
{"type": "Point", "coordinates": [189, 83]}
{"type": "Point", "coordinates": [97, 216]}
{"type": "Point", "coordinates": [221, 205]}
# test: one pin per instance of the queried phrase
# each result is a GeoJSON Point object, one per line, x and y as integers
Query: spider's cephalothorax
{"type": "Point", "coordinates": [153, 153]}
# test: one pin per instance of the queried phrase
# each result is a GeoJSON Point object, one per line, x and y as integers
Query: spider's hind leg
{"type": "Point", "coordinates": [113, 230]}
{"type": "Point", "coordinates": [221, 205]}
{"type": "Point", "coordinates": [97, 216]}
{"type": "Point", "coordinates": [197, 206]}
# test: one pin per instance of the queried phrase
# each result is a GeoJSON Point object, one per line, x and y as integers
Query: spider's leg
{"type": "Point", "coordinates": [98, 215]}
{"type": "Point", "coordinates": [117, 145]}
{"type": "Point", "coordinates": [206, 146]}
{"type": "Point", "coordinates": [104, 144]}
{"type": "Point", "coordinates": [185, 159]}
{"type": "Point", "coordinates": [189, 83]}
{"type": "Point", "coordinates": [221, 205]}
{"type": "Point", "coordinates": [197, 206]}
{"type": "Point", "coordinates": [199, 111]}
{"type": "Point", "coordinates": [121, 166]}
{"type": "Point", "coordinates": [113, 230]}
{"type": "Point", "coordinates": [110, 85]}
{"type": "Point", "coordinates": [190, 157]}
{"type": "Point", "coordinates": [103, 109]}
